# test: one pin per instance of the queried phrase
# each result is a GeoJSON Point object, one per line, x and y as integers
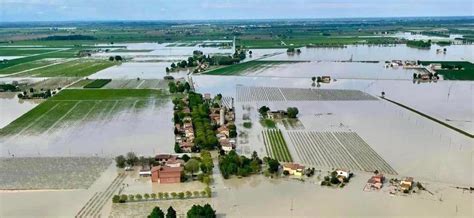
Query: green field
{"type": "Point", "coordinates": [23, 51]}
{"type": "Point", "coordinates": [244, 67]}
{"type": "Point", "coordinates": [77, 105]}
{"type": "Point", "coordinates": [467, 73]}
{"type": "Point", "coordinates": [74, 68]}
{"type": "Point", "coordinates": [98, 83]}
{"type": "Point", "coordinates": [25, 66]}
{"type": "Point", "coordinates": [276, 146]}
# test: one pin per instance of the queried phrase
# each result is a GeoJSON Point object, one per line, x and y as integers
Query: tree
{"type": "Point", "coordinates": [192, 166]}
{"type": "Point", "coordinates": [173, 65]}
{"type": "Point", "coordinates": [273, 165]}
{"type": "Point", "coordinates": [153, 196]}
{"type": "Point", "coordinates": [123, 198]}
{"type": "Point", "coordinates": [132, 159]}
{"type": "Point", "coordinates": [116, 199]}
{"type": "Point", "coordinates": [138, 197]}
{"type": "Point", "coordinates": [177, 148]}
{"type": "Point", "coordinates": [120, 161]}
{"type": "Point", "coordinates": [181, 195]}
{"type": "Point", "coordinates": [196, 193]}
{"type": "Point", "coordinates": [146, 196]}
{"type": "Point", "coordinates": [156, 213]}
{"type": "Point", "coordinates": [198, 211]}
{"type": "Point", "coordinates": [187, 87]}
{"type": "Point", "coordinates": [111, 58]}
{"type": "Point", "coordinates": [313, 79]}
{"type": "Point", "coordinates": [173, 194]}
{"type": "Point", "coordinates": [167, 69]}
{"type": "Point", "coordinates": [118, 58]}
{"type": "Point", "coordinates": [292, 112]}
{"type": "Point", "coordinates": [189, 194]}
{"type": "Point", "coordinates": [171, 213]}
{"type": "Point", "coordinates": [208, 191]}
{"type": "Point", "coordinates": [185, 157]}
{"type": "Point", "coordinates": [263, 111]}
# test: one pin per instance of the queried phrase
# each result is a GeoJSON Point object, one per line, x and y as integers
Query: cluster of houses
{"type": "Point", "coordinates": [169, 169]}
{"type": "Point", "coordinates": [224, 118]}
{"type": "Point", "coordinates": [184, 133]}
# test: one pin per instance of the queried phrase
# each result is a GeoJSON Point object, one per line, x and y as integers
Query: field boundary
{"type": "Point", "coordinates": [430, 118]}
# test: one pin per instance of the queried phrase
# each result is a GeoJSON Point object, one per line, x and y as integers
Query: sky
{"type": "Point", "coordinates": [88, 10]}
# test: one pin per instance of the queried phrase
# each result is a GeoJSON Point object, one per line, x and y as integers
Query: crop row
{"type": "Point", "coordinates": [94, 206]}
{"type": "Point", "coordinates": [321, 149]}
{"type": "Point", "coordinates": [276, 146]}
{"type": "Point", "coordinates": [245, 94]}
{"type": "Point", "coordinates": [368, 159]}
{"type": "Point", "coordinates": [337, 150]}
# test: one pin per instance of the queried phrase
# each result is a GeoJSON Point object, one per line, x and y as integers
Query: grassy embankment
{"type": "Point", "coordinates": [276, 146]}
{"type": "Point", "coordinates": [78, 105]}
{"type": "Point", "coordinates": [450, 73]}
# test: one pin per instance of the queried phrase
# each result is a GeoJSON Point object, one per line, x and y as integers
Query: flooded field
{"type": "Point", "coordinates": [89, 126]}
{"type": "Point", "coordinates": [11, 107]}
{"type": "Point", "coordinates": [50, 172]}
{"type": "Point", "coordinates": [411, 144]}
{"type": "Point", "coordinates": [338, 70]}
{"type": "Point", "coordinates": [373, 53]}
{"type": "Point", "coordinates": [133, 70]}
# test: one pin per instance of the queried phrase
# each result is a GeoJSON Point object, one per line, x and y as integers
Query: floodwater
{"type": "Point", "coordinates": [165, 50]}
{"type": "Point", "coordinates": [11, 107]}
{"type": "Point", "coordinates": [338, 70]}
{"type": "Point", "coordinates": [10, 57]}
{"type": "Point", "coordinates": [146, 132]}
{"type": "Point", "coordinates": [132, 70]}
{"type": "Point", "coordinates": [381, 53]}
{"type": "Point", "coordinates": [413, 145]}
{"type": "Point", "coordinates": [410, 36]}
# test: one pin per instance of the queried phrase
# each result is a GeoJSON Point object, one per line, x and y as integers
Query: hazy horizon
{"type": "Point", "coordinates": [181, 10]}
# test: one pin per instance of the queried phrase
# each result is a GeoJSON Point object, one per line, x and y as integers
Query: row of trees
{"type": "Point", "coordinates": [115, 58]}
{"type": "Point", "coordinates": [206, 193]}
{"type": "Point", "coordinates": [419, 43]}
{"type": "Point", "coordinates": [131, 159]}
{"type": "Point", "coordinates": [196, 211]}
{"type": "Point", "coordinates": [233, 164]}
{"type": "Point", "coordinates": [292, 112]}
{"type": "Point", "coordinates": [204, 132]}
{"type": "Point", "coordinates": [179, 87]}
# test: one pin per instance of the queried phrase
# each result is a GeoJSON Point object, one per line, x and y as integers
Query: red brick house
{"type": "Point", "coordinates": [165, 174]}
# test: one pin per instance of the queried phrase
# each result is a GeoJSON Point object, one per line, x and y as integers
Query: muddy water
{"type": "Point", "coordinates": [338, 70]}
{"type": "Point", "coordinates": [142, 70]}
{"type": "Point", "coordinates": [11, 107]}
{"type": "Point", "coordinates": [381, 53]}
{"type": "Point", "coordinates": [144, 132]}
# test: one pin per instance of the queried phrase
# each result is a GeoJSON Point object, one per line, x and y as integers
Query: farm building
{"type": "Point", "coordinates": [277, 114]}
{"type": "Point", "coordinates": [376, 182]}
{"type": "Point", "coordinates": [406, 184]}
{"type": "Point", "coordinates": [325, 79]}
{"type": "Point", "coordinates": [163, 158]}
{"type": "Point", "coordinates": [166, 175]}
{"type": "Point", "coordinates": [294, 169]}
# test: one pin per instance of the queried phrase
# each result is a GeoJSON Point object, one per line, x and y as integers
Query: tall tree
{"type": "Point", "coordinates": [171, 213]}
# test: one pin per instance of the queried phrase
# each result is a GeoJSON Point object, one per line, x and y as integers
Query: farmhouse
{"type": "Point", "coordinates": [325, 79]}
{"type": "Point", "coordinates": [163, 158]}
{"type": "Point", "coordinates": [406, 184]}
{"type": "Point", "coordinates": [294, 169]}
{"type": "Point", "coordinates": [277, 114]}
{"type": "Point", "coordinates": [375, 182]}
{"type": "Point", "coordinates": [166, 175]}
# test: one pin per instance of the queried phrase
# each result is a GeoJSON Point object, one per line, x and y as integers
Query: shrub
{"type": "Point", "coordinates": [248, 125]}
{"type": "Point", "coordinates": [116, 199]}
{"type": "Point", "coordinates": [181, 195]}
{"type": "Point", "coordinates": [153, 196]}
